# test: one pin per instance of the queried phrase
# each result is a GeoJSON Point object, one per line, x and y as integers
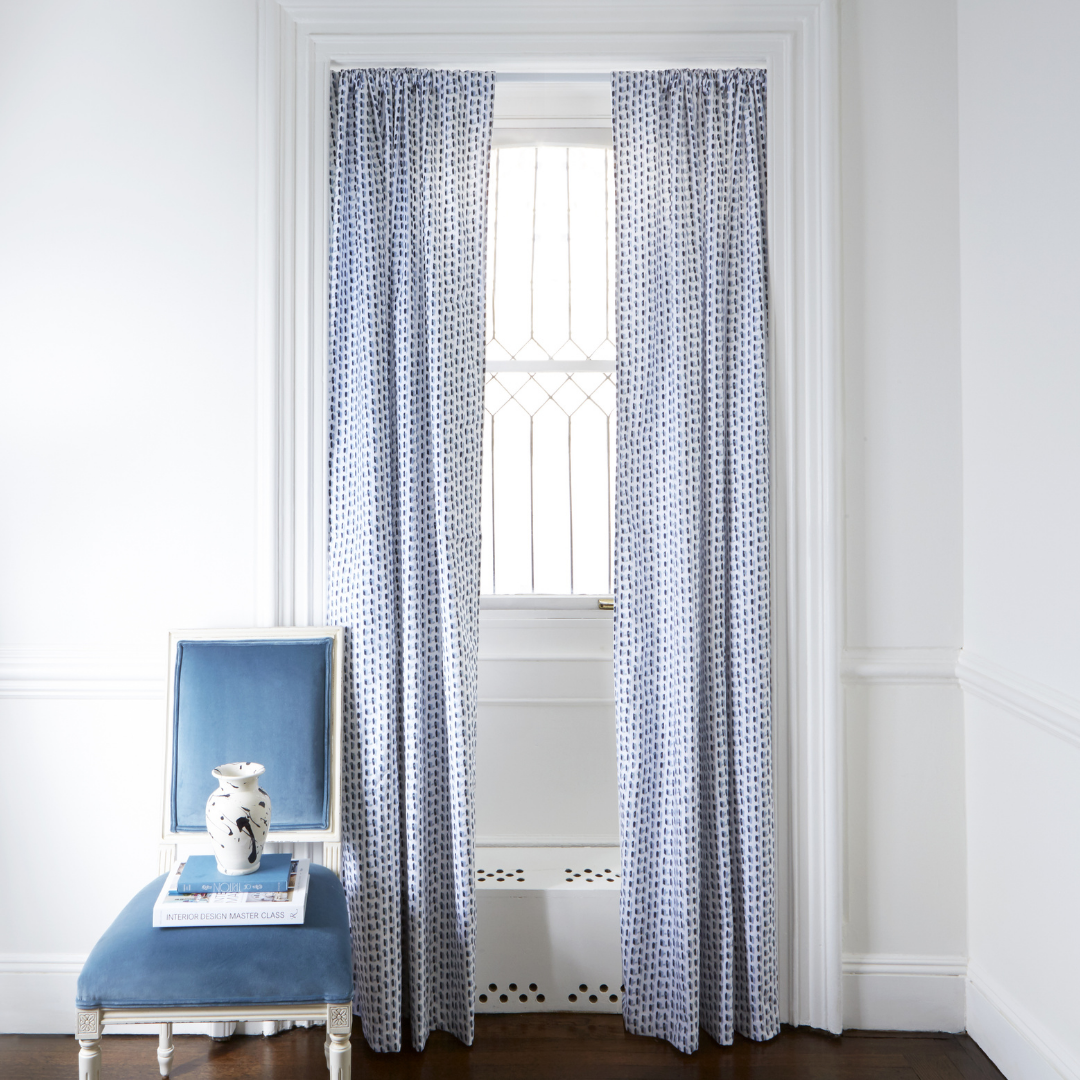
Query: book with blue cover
{"type": "Point", "coordinates": [199, 874]}
{"type": "Point", "coordinates": [233, 908]}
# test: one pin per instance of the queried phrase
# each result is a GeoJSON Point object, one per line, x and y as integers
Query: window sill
{"type": "Point", "coordinates": [541, 606]}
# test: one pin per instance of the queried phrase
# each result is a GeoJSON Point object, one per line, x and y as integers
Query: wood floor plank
{"type": "Point", "coordinates": [966, 1054]}
{"type": "Point", "coordinates": [549, 1046]}
{"type": "Point", "coordinates": [930, 1063]}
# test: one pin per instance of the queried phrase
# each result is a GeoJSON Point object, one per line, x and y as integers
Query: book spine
{"type": "Point", "coordinates": [184, 889]}
{"type": "Point", "coordinates": [259, 915]}
{"type": "Point", "coordinates": [173, 913]}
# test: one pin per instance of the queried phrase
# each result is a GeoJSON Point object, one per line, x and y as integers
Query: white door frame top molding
{"type": "Point", "coordinates": [300, 42]}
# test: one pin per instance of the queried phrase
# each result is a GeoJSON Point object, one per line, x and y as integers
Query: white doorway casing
{"type": "Point", "coordinates": [299, 44]}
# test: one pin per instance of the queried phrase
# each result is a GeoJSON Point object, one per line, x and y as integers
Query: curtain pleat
{"type": "Point", "coordinates": [408, 189]}
{"type": "Point", "coordinates": [692, 622]}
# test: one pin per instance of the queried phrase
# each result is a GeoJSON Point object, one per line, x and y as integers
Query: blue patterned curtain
{"type": "Point", "coordinates": [409, 169]}
{"type": "Point", "coordinates": [692, 670]}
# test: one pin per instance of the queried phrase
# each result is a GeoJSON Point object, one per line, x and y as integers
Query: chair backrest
{"type": "Point", "coordinates": [266, 695]}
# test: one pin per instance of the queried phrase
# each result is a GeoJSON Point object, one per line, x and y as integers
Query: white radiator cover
{"type": "Point", "coordinates": [547, 930]}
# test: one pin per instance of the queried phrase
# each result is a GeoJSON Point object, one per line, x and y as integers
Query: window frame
{"type": "Point", "coordinates": [533, 109]}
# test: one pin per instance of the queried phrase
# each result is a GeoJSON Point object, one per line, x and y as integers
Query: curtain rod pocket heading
{"type": "Point", "coordinates": [530, 76]}
{"type": "Point", "coordinates": [604, 76]}
{"type": "Point", "coordinates": [500, 76]}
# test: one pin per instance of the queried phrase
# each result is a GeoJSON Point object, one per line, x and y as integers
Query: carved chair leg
{"type": "Point", "coordinates": [90, 1058]}
{"type": "Point", "coordinates": [339, 1057]}
{"type": "Point", "coordinates": [88, 1032]}
{"type": "Point", "coordinates": [338, 1050]}
{"type": "Point", "coordinates": [165, 1049]}
{"type": "Point", "coordinates": [326, 1049]}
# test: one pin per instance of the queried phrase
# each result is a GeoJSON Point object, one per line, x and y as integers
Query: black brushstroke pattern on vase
{"type": "Point", "coordinates": [244, 825]}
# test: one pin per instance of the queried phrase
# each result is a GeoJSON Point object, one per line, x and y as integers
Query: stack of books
{"type": "Point", "coordinates": [197, 894]}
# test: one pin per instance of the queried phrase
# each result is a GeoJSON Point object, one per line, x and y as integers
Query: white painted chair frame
{"type": "Point", "coordinates": [337, 1015]}
{"type": "Point", "coordinates": [330, 837]}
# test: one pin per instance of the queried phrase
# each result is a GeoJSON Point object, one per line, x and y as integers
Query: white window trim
{"type": "Point", "coordinates": [300, 41]}
{"type": "Point", "coordinates": [581, 604]}
{"type": "Point", "coordinates": [552, 109]}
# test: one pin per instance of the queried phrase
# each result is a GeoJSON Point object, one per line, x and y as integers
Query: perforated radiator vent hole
{"type": "Point", "coordinates": [590, 875]}
{"type": "Point", "coordinates": [500, 874]}
{"type": "Point", "coordinates": [593, 998]}
{"type": "Point", "coordinates": [493, 991]}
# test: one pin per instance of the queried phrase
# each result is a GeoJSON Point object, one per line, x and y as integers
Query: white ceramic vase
{"type": "Point", "coordinates": [238, 817]}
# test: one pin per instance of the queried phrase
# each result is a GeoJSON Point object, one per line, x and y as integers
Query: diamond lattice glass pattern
{"type": "Point", "coordinates": [549, 406]}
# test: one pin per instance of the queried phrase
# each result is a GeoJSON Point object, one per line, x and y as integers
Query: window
{"type": "Point", "coordinates": [549, 405]}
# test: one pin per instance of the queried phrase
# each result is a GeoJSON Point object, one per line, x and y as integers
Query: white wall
{"type": "Point", "coordinates": [1020, 232]}
{"type": "Point", "coordinates": [127, 459]}
{"type": "Point", "coordinates": [901, 322]}
{"type": "Point", "coordinates": [545, 741]}
{"type": "Point", "coordinates": [127, 365]}
{"type": "Point", "coordinates": [905, 935]}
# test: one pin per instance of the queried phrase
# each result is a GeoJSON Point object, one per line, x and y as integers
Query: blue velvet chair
{"type": "Point", "coordinates": [272, 696]}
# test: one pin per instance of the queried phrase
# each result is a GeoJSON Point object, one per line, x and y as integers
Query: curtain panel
{"type": "Point", "coordinates": [409, 172]}
{"type": "Point", "coordinates": [692, 619]}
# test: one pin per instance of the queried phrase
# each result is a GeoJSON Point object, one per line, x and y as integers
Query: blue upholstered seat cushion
{"type": "Point", "coordinates": [135, 964]}
{"type": "Point", "coordinates": [267, 701]}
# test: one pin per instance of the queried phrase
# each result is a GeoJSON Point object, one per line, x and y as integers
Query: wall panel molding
{"type": "Point", "coordinates": [542, 658]}
{"type": "Point", "coordinates": [547, 702]}
{"type": "Point", "coordinates": [42, 671]}
{"type": "Point", "coordinates": [42, 964]}
{"type": "Point", "coordinates": [903, 964]}
{"type": "Point", "coordinates": [1038, 704]}
{"type": "Point", "coordinates": [933, 666]}
{"type": "Point", "coordinates": [300, 42]}
{"type": "Point", "coordinates": [1035, 702]}
{"type": "Point", "coordinates": [576, 840]}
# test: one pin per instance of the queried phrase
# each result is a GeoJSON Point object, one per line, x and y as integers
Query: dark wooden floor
{"type": "Point", "coordinates": [554, 1046]}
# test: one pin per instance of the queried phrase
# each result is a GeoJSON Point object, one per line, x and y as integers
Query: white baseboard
{"type": "Point", "coordinates": [37, 992]}
{"type": "Point", "coordinates": [886, 992]}
{"type": "Point", "coordinates": [1013, 1039]}
{"type": "Point", "coordinates": [37, 1002]}
{"type": "Point", "coordinates": [37, 997]}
